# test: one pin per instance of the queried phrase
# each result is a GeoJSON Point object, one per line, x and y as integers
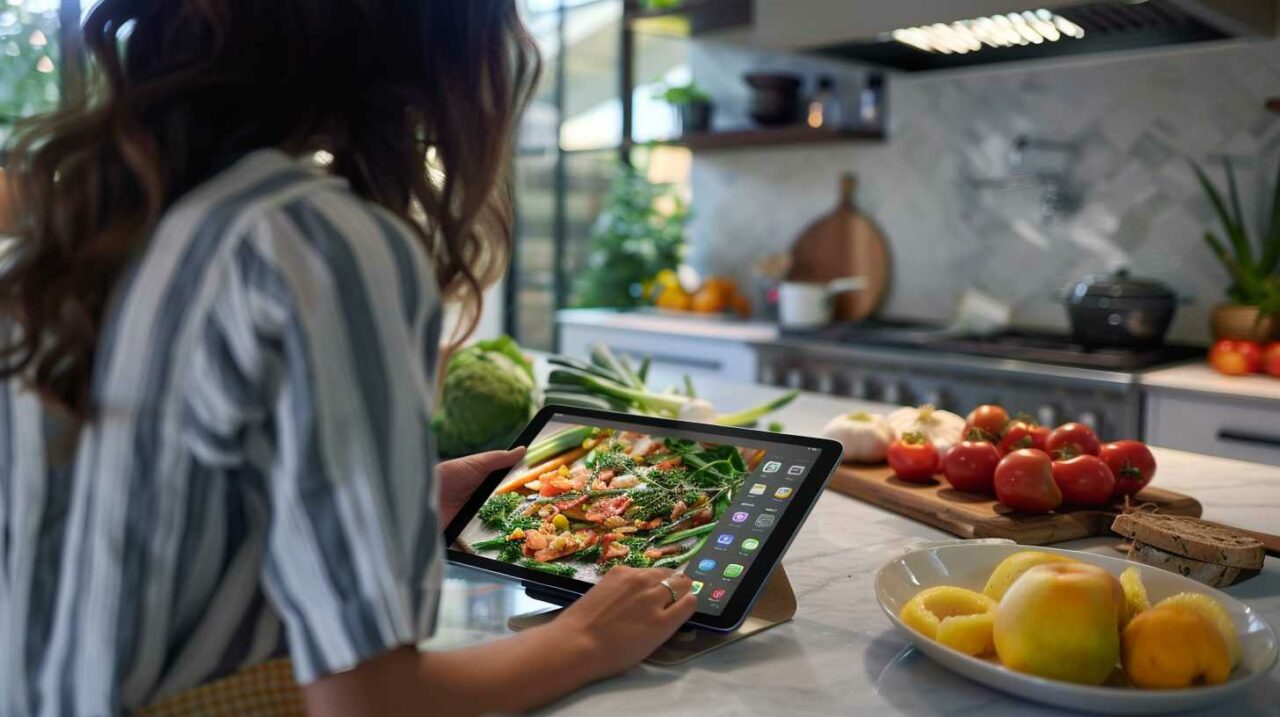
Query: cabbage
{"type": "Point", "coordinates": [489, 394]}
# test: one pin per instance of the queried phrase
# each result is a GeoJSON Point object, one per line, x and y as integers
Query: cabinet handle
{"type": "Point", "coordinates": [1231, 434]}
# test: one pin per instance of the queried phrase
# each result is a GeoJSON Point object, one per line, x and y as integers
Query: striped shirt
{"type": "Point", "coordinates": [257, 475]}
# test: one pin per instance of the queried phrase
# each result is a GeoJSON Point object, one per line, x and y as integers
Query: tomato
{"type": "Point", "coordinates": [1024, 434]}
{"type": "Point", "coordinates": [971, 466]}
{"type": "Point", "coordinates": [1271, 359]}
{"type": "Point", "coordinates": [1072, 439]}
{"type": "Point", "coordinates": [1235, 358]}
{"type": "Point", "coordinates": [913, 457]}
{"type": "Point", "coordinates": [1132, 465]}
{"type": "Point", "coordinates": [989, 419]}
{"type": "Point", "coordinates": [1084, 480]}
{"type": "Point", "coordinates": [1024, 481]}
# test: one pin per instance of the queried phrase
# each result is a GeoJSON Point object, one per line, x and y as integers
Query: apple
{"type": "Point", "coordinates": [1061, 621]}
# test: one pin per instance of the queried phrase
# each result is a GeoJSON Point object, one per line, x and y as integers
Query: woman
{"type": "Point", "coordinates": [214, 434]}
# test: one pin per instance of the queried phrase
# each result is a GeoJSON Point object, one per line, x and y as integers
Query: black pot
{"type": "Point", "coordinates": [1120, 311]}
{"type": "Point", "coordinates": [776, 99]}
{"type": "Point", "coordinates": [694, 117]}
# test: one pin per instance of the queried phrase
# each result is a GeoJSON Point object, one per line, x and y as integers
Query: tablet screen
{"type": "Point", "coordinates": [596, 493]}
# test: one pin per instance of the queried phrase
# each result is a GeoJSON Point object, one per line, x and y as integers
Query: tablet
{"type": "Point", "coordinates": [599, 489]}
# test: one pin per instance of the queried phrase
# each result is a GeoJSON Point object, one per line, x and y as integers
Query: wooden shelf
{"type": "Point", "coordinates": [772, 137]}
{"type": "Point", "coordinates": [692, 17]}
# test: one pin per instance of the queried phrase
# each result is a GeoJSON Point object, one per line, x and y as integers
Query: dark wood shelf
{"type": "Point", "coordinates": [692, 17]}
{"type": "Point", "coordinates": [772, 137]}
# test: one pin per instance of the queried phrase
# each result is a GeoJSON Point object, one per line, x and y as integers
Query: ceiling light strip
{"type": "Point", "coordinates": [1030, 27]}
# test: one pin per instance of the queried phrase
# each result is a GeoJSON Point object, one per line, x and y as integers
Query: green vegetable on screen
{"type": "Point", "coordinates": [489, 394]}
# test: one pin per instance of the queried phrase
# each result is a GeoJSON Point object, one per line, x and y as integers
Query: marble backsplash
{"type": "Point", "coordinates": [936, 186]}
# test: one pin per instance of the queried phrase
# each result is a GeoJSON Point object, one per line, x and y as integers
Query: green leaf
{"type": "Point", "coordinates": [1234, 232]}
{"type": "Point", "coordinates": [1244, 252]}
{"type": "Point", "coordinates": [1271, 242]}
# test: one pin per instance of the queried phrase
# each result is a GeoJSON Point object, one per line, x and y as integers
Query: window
{"type": "Point", "coordinates": [31, 60]}
{"type": "Point", "coordinates": [598, 83]}
{"type": "Point", "coordinates": [569, 145]}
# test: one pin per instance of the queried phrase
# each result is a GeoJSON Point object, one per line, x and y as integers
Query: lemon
{"type": "Point", "coordinates": [930, 607]}
{"type": "Point", "coordinates": [1135, 593]}
{"type": "Point", "coordinates": [1215, 612]}
{"type": "Point", "coordinates": [1012, 568]}
{"type": "Point", "coordinates": [970, 634]}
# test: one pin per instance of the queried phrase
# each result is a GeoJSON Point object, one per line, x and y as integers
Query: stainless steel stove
{"type": "Point", "coordinates": [1045, 375]}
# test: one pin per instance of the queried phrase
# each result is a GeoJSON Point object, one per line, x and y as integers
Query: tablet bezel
{"type": "Point", "coordinates": [753, 580]}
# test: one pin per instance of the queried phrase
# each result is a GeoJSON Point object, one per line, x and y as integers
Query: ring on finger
{"type": "Point", "coordinates": [675, 597]}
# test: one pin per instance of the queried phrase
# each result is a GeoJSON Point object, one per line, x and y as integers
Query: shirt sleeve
{"type": "Point", "coordinates": [325, 340]}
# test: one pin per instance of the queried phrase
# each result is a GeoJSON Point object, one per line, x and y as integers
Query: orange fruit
{"type": "Point", "coordinates": [1171, 646]}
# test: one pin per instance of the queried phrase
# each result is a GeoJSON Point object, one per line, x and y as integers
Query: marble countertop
{"type": "Point", "coordinates": [1200, 378]}
{"type": "Point", "coordinates": [840, 655]}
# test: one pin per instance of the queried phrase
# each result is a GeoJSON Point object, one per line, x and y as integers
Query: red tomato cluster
{"type": "Point", "coordinates": [1026, 466]}
{"type": "Point", "coordinates": [1238, 358]}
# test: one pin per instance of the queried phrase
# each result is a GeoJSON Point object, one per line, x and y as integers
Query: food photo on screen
{"type": "Point", "coordinates": [587, 498]}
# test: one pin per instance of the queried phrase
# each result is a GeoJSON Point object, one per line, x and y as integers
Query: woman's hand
{"type": "Point", "coordinates": [460, 476]}
{"type": "Point", "coordinates": [626, 616]}
{"type": "Point", "coordinates": [618, 623]}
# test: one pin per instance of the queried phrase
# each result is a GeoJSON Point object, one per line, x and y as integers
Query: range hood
{"type": "Point", "coordinates": [922, 35]}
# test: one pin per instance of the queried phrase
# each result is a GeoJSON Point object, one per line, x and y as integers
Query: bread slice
{"type": "Point", "coordinates": [1192, 538]}
{"type": "Point", "coordinates": [1210, 574]}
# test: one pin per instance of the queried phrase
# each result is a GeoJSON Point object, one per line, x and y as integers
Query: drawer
{"type": "Point", "coordinates": [669, 353]}
{"type": "Point", "coordinates": [1245, 430]}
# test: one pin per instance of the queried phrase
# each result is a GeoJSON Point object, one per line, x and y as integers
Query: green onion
{"type": "Point", "coordinates": [686, 534]}
{"type": "Point", "coordinates": [751, 415]}
{"type": "Point", "coordinates": [557, 443]}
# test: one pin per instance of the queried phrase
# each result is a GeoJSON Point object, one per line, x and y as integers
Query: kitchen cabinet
{"type": "Point", "coordinates": [1192, 408]}
{"type": "Point", "coordinates": [700, 347]}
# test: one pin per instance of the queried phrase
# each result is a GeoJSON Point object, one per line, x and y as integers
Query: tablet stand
{"type": "Point", "coordinates": [776, 605]}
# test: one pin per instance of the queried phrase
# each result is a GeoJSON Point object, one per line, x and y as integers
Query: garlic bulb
{"type": "Point", "coordinates": [865, 436]}
{"type": "Point", "coordinates": [943, 428]}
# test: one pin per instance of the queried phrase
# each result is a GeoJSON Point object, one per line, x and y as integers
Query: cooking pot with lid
{"type": "Point", "coordinates": [1120, 311]}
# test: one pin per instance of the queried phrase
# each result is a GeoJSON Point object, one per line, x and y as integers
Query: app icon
{"type": "Point", "coordinates": [771, 467]}
{"type": "Point", "coordinates": [758, 489]}
{"type": "Point", "coordinates": [740, 517]}
{"type": "Point", "coordinates": [706, 565]}
{"type": "Point", "coordinates": [782, 493]}
{"type": "Point", "coordinates": [696, 587]}
{"type": "Point", "coordinates": [764, 521]}
{"type": "Point", "coordinates": [725, 539]}
{"type": "Point", "coordinates": [732, 570]}
{"type": "Point", "coordinates": [717, 593]}
{"type": "Point", "coordinates": [750, 544]}
{"type": "Point", "coordinates": [795, 470]}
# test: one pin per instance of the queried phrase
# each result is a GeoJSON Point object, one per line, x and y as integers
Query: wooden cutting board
{"type": "Point", "coordinates": [974, 516]}
{"type": "Point", "coordinates": [844, 243]}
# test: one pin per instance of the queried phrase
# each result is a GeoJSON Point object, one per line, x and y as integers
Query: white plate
{"type": "Point", "coordinates": [967, 564]}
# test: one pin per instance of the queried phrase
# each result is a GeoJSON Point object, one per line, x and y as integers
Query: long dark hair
{"type": "Point", "coordinates": [416, 100]}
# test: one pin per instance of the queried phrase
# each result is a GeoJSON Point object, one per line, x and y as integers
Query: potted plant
{"type": "Point", "coordinates": [639, 233]}
{"type": "Point", "coordinates": [693, 107]}
{"type": "Point", "coordinates": [1253, 313]}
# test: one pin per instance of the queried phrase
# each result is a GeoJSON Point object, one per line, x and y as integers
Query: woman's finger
{"type": "Point", "coordinates": [679, 612]}
{"type": "Point", "coordinates": [672, 589]}
{"type": "Point", "coordinates": [491, 461]}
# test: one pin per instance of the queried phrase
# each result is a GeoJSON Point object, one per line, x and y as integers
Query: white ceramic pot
{"type": "Point", "coordinates": [808, 305]}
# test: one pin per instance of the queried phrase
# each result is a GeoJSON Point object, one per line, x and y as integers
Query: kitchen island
{"type": "Point", "coordinates": [840, 655]}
